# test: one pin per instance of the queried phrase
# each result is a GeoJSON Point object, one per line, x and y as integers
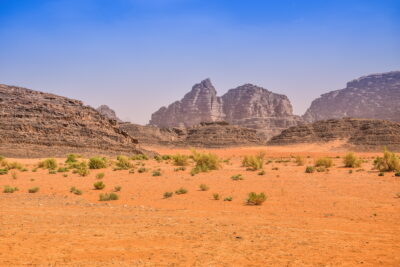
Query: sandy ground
{"type": "Point", "coordinates": [322, 219]}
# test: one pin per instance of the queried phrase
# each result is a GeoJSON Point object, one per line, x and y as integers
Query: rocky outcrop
{"type": "Point", "coordinates": [374, 96]}
{"type": "Point", "coordinates": [249, 106]}
{"type": "Point", "coordinates": [200, 104]}
{"type": "Point", "coordinates": [37, 124]}
{"type": "Point", "coordinates": [206, 135]}
{"type": "Point", "coordinates": [360, 134]}
{"type": "Point", "coordinates": [108, 113]}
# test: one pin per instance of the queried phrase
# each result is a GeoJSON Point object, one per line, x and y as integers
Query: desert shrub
{"type": "Point", "coordinates": [75, 191]}
{"type": "Point", "coordinates": [204, 162]}
{"type": "Point", "coordinates": [11, 165]}
{"type": "Point", "coordinates": [256, 199]}
{"type": "Point", "coordinates": [397, 174]}
{"type": "Point", "coordinates": [71, 158]}
{"type": "Point", "coordinates": [63, 169]}
{"type": "Point", "coordinates": [82, 169]}
{"type": "Point", "coordinates": [24, 170]}
{"type": "Point", "coordinates": [2, 158]}
{"type": "Point", "coordinates": [142, 169]}
{"type": "Point", "coordinates": [324, 162]}
{"type": "Point", "coordinates": [99, 185]}
{"type": "Point", "coordinates": [33, 190]}
{"type": "Point", "coordinates": [97, 163]}
{"type": "Point", "coordinates": [310, 169]}
{"type": "Point", "coordinates": [381, 174]}
{"type": "Point", "coordinates": [157, 158]}
{"type": "Point", "coordinates": [117, 188]}
{"type": "Point", "coordinates": [100, 175]}
{"type": "Point", "coordinates": [139, 157]}
{"type": "Point", "coordinates": [216, 196]}
{"type": "Point", "coordinates": [108, 197]}
{"type": "Point", "coordinates": [181, 191]}
{"type": "Point", "coordinates": [34, 170]}
{"type": "Point", "coordinates": [3, 171]}
{"type": "Point", "coordinates": [321, 169]}
{"type": "Point", "coordinates": [50, 164]}
{"type": "Point", "coordinates": [275, 169]}
{"type": "Point", "coordinates": [228, 199]}
{"type": "Point", "coordinates": [389, 162]}
{"type": "Point", "coordinates": [262, 172]}
{"type": "Point", "coordinates": [180, 169]}
{"type": "Point", "coordinates": [157, 172]}
{"type": "Point", "coordinates": [350, 171]}
{"type": "Point", "coordinates": [52, 172]}
{"type": "Point", "coordinates": [351, 161]}
{"type": "Point", "coordinates": [299, 161]}
{"type": "Point", "coordinates": [204, 187]}
{"type": "Point", "coordinates": [254, 163]}
{"type": "Point", "coordinates": [132, 171]}
{"type": "Point", "coordinates": [65, 175]}
{"type": "Point", "coordinates": [9, 189]}
{"type": "Point", "coordinates": [168, 194]}
{"type": "Point", "coordinates": [237, 177]}
{"type": "Point", "coordinates": [180, 160]}
{"type": "Point", "coordinates": [123, 163]}
{"type": "Point", "coordinates": [14, 175]}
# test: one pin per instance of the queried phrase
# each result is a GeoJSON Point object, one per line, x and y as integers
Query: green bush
{"type": "Point", "coordinates": [117, 188]}
{"type": "Point", "coordinates": [24, 170]}
{"type": "Point", "coordinates": [63, 169]}
{"type": "Point", "coordinates": [180, 169]}
{"type": "Point", "coordinates": [72, 158]}
{"type": "Point", "coordinates": [204, 162]}
{"type": "Point", "coordinates": [100, 175]}
{"type": "Point", "coordinates": [50, 164]}
{"type": "Point", "coordinates": [180, 160]}
{"type": "Point", "coordinates": [3, 171]}
{"type": "Point", "coordinates": [262, 172]}
{"type": "Point", "coordinates": [299, 161]}
{"type": "Point", "coordinates": [310, 169]}
{"type": "Point", "coordinates": [166, 157]}
{"type": "Point", "coordinates": [82, 169]}
{"type": "Point", "coordinates": [351, 161]}
{"type": "Point", "coordinates": [139, 157]}
{"type": "Point", "coordinates": [216, 196]}
{"type": "Point", "coordinates": [142, 169]}
{"type": "Point", "coordinates": [9, 189]}
{"type": "Point", "coordinates": [52, 172]}
{"type": "Point", "coordinates": [321, 169]}
{"type": "Point", "coordinates": [11, 165]}
{"type": "Point", "coordinates": [14, 175]}
{"type": "Point", "coordinates": [228, 199]}
{"type": "Point", "coordinates": [2, 158]}
{"type": "Point", "coordinates": [388, 163]}
{"type": "Point", "coordinates": [254, 163]}
{"type": "Point", "coordinates": [157, 172]}
{"type": "Point", "coordinates": [132, 171]}
{"type": "Point", "coordinates": [33, 190]}
{"type": "Point", "coordinates": [324, 162]}
{"type": "Point", "coordinates": [397, 174]}
{"type": "Point", "coordinates": [108, 197]}
{"type": "Point", "coordinates": [123, 163]}
{"type": "Point", "coordinates": [381, 174]}
{"type": "Point", "coordinates": [168, 194]}
{"type": "Point", "coordinates": [181, 191]}
{"type": "Point", "coordinates": [99, 185]}
{"type": "Point", "coordinates": [256, 199]}
{"type": "Point", "coordinates": [97, 163]}
{"type": "Point", "coordinates": [75, 191]}
{"type": "Point", "coordinates": [237, 177]}
{"type": "Point", "coordinates": [204, 187]}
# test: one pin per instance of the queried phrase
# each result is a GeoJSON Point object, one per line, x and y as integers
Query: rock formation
{"type": "Point", "coordinates": [108, 113]}
{"type": "Point", "coordinates": [360, 134]}
{"type": "Point", "coordinates": [36, 124]}
{"type": "Point", "coordinates": [374, 96]}
{"type": "Point", "coordinates": [248, 106]}
{"type": "Point", "coordinates": [206, 135]}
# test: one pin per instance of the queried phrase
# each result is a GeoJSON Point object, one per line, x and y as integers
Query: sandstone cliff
{"type": "Point", "coordinates": [374, 96]}
{"type": "Point", "coordinates": [360, 134]}
{"type": "Point", "coordinates": [36, 124]}
{"type": "Point", "coordinates": [108, 113]}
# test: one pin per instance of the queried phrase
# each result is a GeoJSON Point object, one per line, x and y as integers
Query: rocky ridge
{"type": "Point", "coordinates": [37, 124]}
{"type": "Point", "coordinates": [108, 112]}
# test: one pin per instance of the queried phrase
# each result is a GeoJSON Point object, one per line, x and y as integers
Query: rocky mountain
{"type": "Point", "coordinates": [108, 112]}
{"type": "Point", "coordinates": [360, 134]}
{"type": "Point", "coordinates": [249, 106]}
{"type": "Point", "coordinates": [37, 124]}
{"type": "Point", "coordinates": [206, 135]}
{"type": "Point", "coordinates": [375, 96]}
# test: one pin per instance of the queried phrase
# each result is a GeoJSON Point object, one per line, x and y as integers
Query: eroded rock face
{"type": "Point", "coordinates": [200, 104]}
{"type": "Point", "coordinates": [108, 112]}
{"type": "Point", "coordinates": [249, 106]}
{"type": "Point", "coordinates": [374, 96]}
{"type": "Point", "coordinates": [37, 124]}
{"type": "Point", "coordinates": [360, 134]}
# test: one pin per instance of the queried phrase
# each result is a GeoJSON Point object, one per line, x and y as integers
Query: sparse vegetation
{"type": "Point", "coordinates": [310, 169]}
{"type": "Point", "coordinates": [82, 169]}
{"type": "Point", "coordinates": [321, 169]}
{"type": "Point", "coordinates": [397, 174]}
{"type": "Point", "coordinates": [62, 169]}
{"type": "Point", "coordinates": [204, 187]}
{"type": "Point", "coordinates": [75, 191]}
{"type": "Point", "coordinates": [99, 185]}
{"type": "Point", "coordinates": [181, 191]}
{"type": "Point", "coordinates": [142, 169]}
{"type": "Point", "coordinates": [117, 188]}
{"type": "Point", "coordinates": [216, 196]}
{"type": "Point", "coordinates": [204, 162]}
{"type": "Point", "coordinates": [256, 199]}
{"type": "Point", "coordinates": [50, 164]}
{"type": "Point", "coordinates": [123, 163]}
{"type": "Point", "coordinates": [72, 158]}
{"type": "Point", "coordinates": [3, 171]}
{"type": "Point", "coordinates": [100, 175]}
{"type": "Point", "coordinates": [33, 190]}
{"type": "Point", "coordinates": [262, 172]}
{"type": "Point", "coordinates": [157, 172]}
{"type": "Point", "coordinates": [52, 172]}
{"type": "Point", "coordinates": [299, 161]}
{"type": "Point", "coordinates": [180, 160]}
{"type": "Point", "coordinates": [168, 194]}
{"type": "Point", "coordinates": [254, 163]}
{"type": "Point", "coordinates": [132, 171]}
{"type": "Point", "coordinates": [237, 177]}
{"type": "Point", "coordinates": [108, 197]}
{"type": "Point", "coordinates": [97, 163]}
{"type": "Point", "coordinates": [14, 175]}
{"type": "Point", "coordinates": [388, 163]}
{"type": "Point", "coordinates": [9, 189]}
{"type": "Point", "coordinates": [381, 174]}
{"type": "Point", "coordinates": [228, 199]}
{"type": "Point", "coordinates": [351, 161]}
{"type": "Point", "coordinates": [180, 169]}
{"type": "Point", "coordinates": [139, 157]}
{"type": "Point", "coordinates": [324, 162]}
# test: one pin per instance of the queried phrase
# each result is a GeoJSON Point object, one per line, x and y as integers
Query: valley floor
{"type": "Point", "coordinates": [321, 219]}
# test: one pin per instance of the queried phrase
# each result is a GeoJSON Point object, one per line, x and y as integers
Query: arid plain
{"type": "Point", "coordinates": [331, 218]}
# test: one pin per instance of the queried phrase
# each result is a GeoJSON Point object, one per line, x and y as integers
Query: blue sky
{"type": "Point", "coordinates": [138, 55]}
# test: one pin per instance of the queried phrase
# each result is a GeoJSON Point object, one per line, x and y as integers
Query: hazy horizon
{"type": "Point", "coordinates": [136, 56]}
